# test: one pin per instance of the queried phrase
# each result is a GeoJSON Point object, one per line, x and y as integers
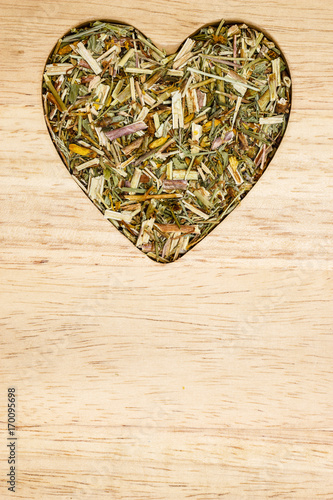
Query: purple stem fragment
{"type": "Point", "coordinates": [218, 141]}
{"type": "Point", "coordinates": [170, 185]}
{"type": "Point", "coordinates": [128, 129]}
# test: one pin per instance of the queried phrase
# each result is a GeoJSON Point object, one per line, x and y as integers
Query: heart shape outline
{"type": "Point", "coordinates": [174, 234]}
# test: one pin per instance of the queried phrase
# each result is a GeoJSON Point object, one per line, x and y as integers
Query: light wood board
{"type": "Point", "coordinates": [203, 379]}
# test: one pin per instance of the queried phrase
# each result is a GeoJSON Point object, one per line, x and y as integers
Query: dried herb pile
{"type": "Point", "coordinates": [166, 146]}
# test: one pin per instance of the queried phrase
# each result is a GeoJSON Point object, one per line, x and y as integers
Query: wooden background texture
{"type": "Point", "coordinates": [203, 379]}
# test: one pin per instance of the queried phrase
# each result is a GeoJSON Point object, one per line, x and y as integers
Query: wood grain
{"type": "Point", "coordinates": [203, 379]}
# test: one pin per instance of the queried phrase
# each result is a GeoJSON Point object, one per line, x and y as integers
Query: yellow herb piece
{"type": "Point", "coordinates": [204, 143]}
{"type": "Point", "coordinates": [189, 118]}
{"type": "Point", "coordinates": [233, 162]}
{"type": "Point", "coordinates": [264, 100]}
{"type": "Point", "coordinates": [80, 150]}
{"type": "Point", "coordinates": [158, 142]}
{"type": "Point", "coordinates": [66, 49]}
{"type": "Point", "coordinates": [207, 126]}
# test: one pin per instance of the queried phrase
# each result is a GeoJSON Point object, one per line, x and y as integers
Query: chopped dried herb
{"type": "Point", "coordinates": [166, 146]}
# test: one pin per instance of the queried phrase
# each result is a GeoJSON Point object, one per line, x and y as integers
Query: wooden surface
{"type": "Point", "coordinates": [203, 379]}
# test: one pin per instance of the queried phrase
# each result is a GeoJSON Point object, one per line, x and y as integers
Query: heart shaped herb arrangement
{"type": "Point", "coordinates": [166, 146]}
